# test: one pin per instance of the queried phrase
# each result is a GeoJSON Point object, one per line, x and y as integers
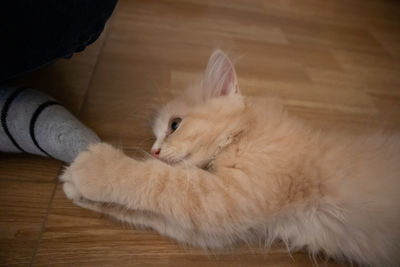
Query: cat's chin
{"type": "Point", "coordinates": [207, 165]}
{"type": "Point", "coordinates": [175, 161]}
{"type": "Point", "coordinates": [187, 161]}
{"type": "Point", "coordinates": [171, 162]}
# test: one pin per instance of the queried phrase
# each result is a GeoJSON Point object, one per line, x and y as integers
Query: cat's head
{"type": "Point", "coordinates": [192, 128]}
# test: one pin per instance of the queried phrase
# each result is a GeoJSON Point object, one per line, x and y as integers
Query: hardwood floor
{"type": "Point", "coordinates": [333, 63]}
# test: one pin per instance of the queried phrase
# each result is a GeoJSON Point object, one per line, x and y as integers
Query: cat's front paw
{"type": "Point", "coordinates": [69, 187]}
{"type": "Point", "coordinates": [90, 175]}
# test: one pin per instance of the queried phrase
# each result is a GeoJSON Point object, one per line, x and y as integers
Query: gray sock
{"type": "Point", "coordinates": [33, 122]}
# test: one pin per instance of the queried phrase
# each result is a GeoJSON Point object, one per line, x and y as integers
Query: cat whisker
{"type": "Point", "coordinates": [143, 152]}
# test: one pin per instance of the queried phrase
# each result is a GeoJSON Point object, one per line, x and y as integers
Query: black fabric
{"type": "Point", "coordinates": [34, 33]}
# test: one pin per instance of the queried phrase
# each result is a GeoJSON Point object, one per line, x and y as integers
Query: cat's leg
{"type": "Point", "coordinates": [137, 218]}
{"type": "Point", "coordinates": [146, 219]}
{"type": "Point", "coordinates": [121, 213]}
{"type": "Point", "coordinates": [212, 210]}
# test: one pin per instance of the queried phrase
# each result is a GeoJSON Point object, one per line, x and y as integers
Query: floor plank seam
{"type": "Point", "coordinates": [43, 227]}
{"type": "Point", "coordinates": [106, 34]}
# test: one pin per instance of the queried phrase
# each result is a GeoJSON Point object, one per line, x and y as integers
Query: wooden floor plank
{"type": "Point", "coordinates": [24, 167]}
{"type": "Point", "coordinates": [22, 211]}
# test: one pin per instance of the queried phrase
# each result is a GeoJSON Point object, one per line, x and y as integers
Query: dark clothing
{"type": "Point", "coordinates": [33, 33]}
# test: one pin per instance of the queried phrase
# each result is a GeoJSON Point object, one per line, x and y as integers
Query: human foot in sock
{"type": "Point", "coordinates": [35, 123]}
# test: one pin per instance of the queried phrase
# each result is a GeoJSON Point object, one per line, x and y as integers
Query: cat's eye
{"type": "Point", "coordinates": [174, 124]}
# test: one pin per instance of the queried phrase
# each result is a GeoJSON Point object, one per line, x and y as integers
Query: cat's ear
{"type": "Point", "coordinates": [220, 76]}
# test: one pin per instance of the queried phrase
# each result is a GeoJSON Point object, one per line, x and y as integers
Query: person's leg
{"type": "Point", "coordinates": [33, 122]}
{"type": "Point", "coordinates": [35, 33]}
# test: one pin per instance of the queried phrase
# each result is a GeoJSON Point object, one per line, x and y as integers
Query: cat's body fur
{"type": "Point", "coordinates": [243, 169]}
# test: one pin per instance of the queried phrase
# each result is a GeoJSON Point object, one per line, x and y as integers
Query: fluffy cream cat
{"type": "Point", "coordinates": [226, 168]}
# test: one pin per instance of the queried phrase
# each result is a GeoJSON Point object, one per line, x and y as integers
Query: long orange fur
{"type": "Point", "coordinates": [243, 169]}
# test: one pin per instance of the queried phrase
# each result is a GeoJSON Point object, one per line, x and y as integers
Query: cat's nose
{"type": "Point", "coordinates": [156, 152]}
